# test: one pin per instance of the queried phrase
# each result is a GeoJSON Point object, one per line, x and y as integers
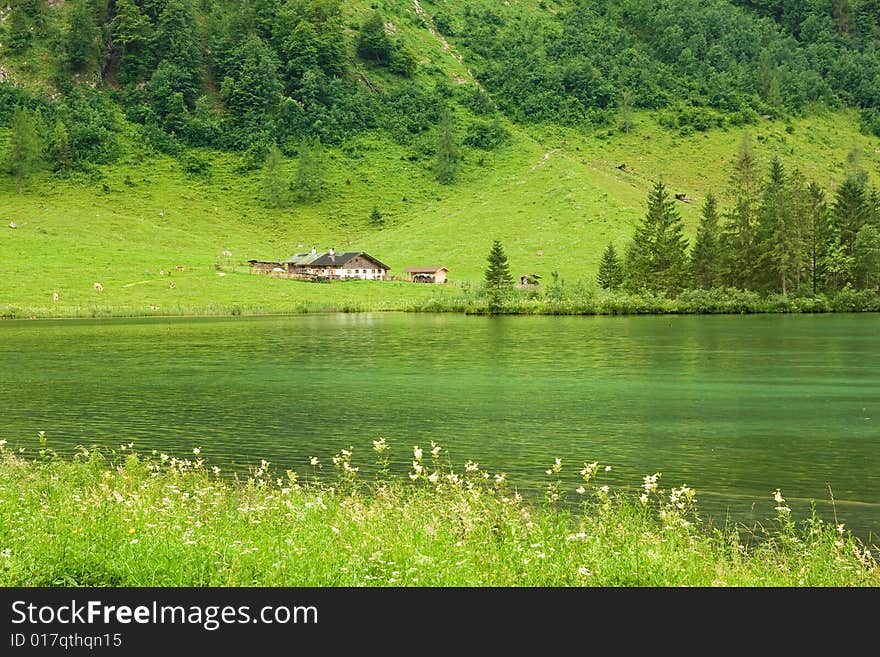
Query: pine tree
{"type": "Point", "coordinates": [610, 275]}
{"type": "Point", "coordinates": [816, 234]}
{"type": "Point", "coordinates": [657, 257]}
{"type": "Point", "coordinates": [866, 257]}
{"type": "Point", "coordinates": [81, 37]}
{"type": "Point", "coordinates": [177, 42]}
{"type": "Point", "coordinates": [705, 260]}
{"type": "Point", "coordinates": [308, 183]}
{"type": "Point", "coordinates": [376, 217]}
{"type": "Point", "coordinates": [446, 163]}
{"type": "Point", "coordinates": [372, 41]}
{"type": "Point", "coordinates": [498, 272]}
{"type": "Point", "coordinates": [58, 149]}
{"type": "Point", "coordinates": [273, 185]}
{"type": "Point", "coordinates": [25, 149]}
{"type": "Point", "coordinates": [851, 210]}
{"type": "Point", "coordinates": [738, 236]}
{"type": "Point", "coordinates": [777, 240]}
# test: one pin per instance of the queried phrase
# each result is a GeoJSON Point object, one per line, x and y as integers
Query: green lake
{"type": "Point", "coordinates": [734, 406]}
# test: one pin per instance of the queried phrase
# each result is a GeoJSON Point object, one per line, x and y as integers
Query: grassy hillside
{"type": "Point", "coordinates": [555, 194]}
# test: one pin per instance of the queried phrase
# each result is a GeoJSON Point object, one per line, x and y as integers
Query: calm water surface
{"type": "Point", "coordinates": [733, 406]}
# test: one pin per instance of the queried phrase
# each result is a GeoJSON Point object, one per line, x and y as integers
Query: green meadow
{"type": "Point", "coordinates": [555, 197]}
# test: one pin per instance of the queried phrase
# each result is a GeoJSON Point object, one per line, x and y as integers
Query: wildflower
{"type": "Point", "coordinates": [413, 476]}
{"type": "Point", "coordinates": [346, 453]}
{"type": "Point", "coordinates": [777, 496]}
{"type": "Point", "coordinates": [589, 470]}
{"type": "Point", "coordinates": [840, 528]}
{"type": "Point", "coordinates": [418, 467]}
{"type": "Point", "coordinates": [434, 477]}
{"type": "Point", "coordinates": [130, 445]}
{"type": "Point", "coordinates": [131, 530]}
{"type": "Point", "coordinates": [584, 572]}
{"type": "Point", "coordinates": [607, 468]}
{"type": "Point", "coordinates": [197, 450]}
{"type": "Point", "coordinates": [2, 443]}
{"type": "Point", "coordinates": [556, 468]}
{"type": "Point", "coordinates": [133, 541]}
{"type": "Point", "coordinates": [580, 490]}
{"type": "Point", "coordinates": [164, 457]}
{"type": "Point", "coordinates": [435, 449]}
{"type": "Point", "coordinates": [500, 477]}
{"type": "Point", "coordinates": [380, 445]}
{"type": "Point", "coordinates": [471, 466]}
{"type": "Point", "coordinates": [313, 460]}
{"type": "Point", "coordinates": [643, 498]}
{"type": "Point", "coordinates": [650, 482]}
{"type": "Point", "coordinates": [216, 470]}
{"type": "Point", "coordinates": [417, 453]}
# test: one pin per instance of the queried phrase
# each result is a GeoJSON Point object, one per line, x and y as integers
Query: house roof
{"type": "Point", "coordinates": [423, 270]}
{"type": "Point", "coordinates": [327, 260]}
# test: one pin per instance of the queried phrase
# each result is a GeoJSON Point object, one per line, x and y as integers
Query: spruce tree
{"type": "Point", "coordinates": [376, 217]}
{"type": "Point", "coordinates": [610, 276]}
{"type": "Point", "coordinates": [176, 41]}
{"type": "Point", "coordinates": [372, 41]}
{"type": "Point", "coordinates": [851, 210]}
{"type": "Point", "coordinates": [738, 236]}
{"type": "Point", "coordinates": [25, 148]}
{"type": "Point", "coordinates": [866, 256]}
{"type": "Point", "coordinates": [273, 185]}
{"type": "Point", "coordinates": [777, 243]}
{"type": "Point", "coordinates": [657, 256]}
{"type": "Point", "coordinates": [498, 272]}
{"type": "Point", "coordinates": [446, 162]}
{"type": "Point", "coordinates": [58, 149]}
{"type": "Point", "coordinates": [705, 260]}
{"type": "Point", "coordinates": [816, 234]}
{"type": "Point", "coordinates": [80, 41]}
{"type": "Point", "coordinates": [308, 183]}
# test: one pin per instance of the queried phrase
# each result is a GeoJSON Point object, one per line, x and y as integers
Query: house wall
{"type": "Point", "coordinates": [440, 276]}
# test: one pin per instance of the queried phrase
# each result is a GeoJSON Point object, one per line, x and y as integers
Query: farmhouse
{"type": "Point", "coordinates": [351, 264]}
{"type": "Point", "coordinates": [426, 274]}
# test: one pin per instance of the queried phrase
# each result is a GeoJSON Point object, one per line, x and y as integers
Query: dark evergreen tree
{"type": "Point", "coordinates": [497, 273]}
{"type": "Point", "coordinates": [256, 88]}
{"type": "Point", "coordinates": [739, 243]}
{"type": "Point", "coordinates": [816, 234]}
{"type": "Point", "coordinates": [866, 256]}
{"type": "Point", "coordinates": [273, 183]}
{"type": "Point", "coordinates": [705, 263]}
{"type": "Point", "coordinates": [376, 217]}
{"type": "Point", "coordinates": [446, 160]}
{"type": "Point", "coordinates": [372, 41]}
{"type": "Point", "coordinates": [851, 210]}
{"type": "Point", "coordinates": [58, 148]}
{"type": "Point", "coordinates": [776, 234]}
{"type": "Point", "coordinates": [657, 257]}
{"type": "Point", "coordinates": [177, 43]}
{"type": "Point", "coordinates": [308, 183]}
{"type": "Point", "coordinates": [132, 34]}
{"type": "Point", "coordinates": [25, 149]}
{"type": "Point", "coordinates": [610, 276]}
{"type": "Point", "coordinates": [80, 41]}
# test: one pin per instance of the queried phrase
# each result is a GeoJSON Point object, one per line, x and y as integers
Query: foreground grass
{"type": "Point", "coordinates": [102, 520]}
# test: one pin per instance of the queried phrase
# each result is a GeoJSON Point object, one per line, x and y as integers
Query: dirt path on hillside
{"type": "Point", "coordinates": [429, 21]}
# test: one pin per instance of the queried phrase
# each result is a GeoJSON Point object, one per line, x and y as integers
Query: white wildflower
{"type": "Point", "coordinates": [580, 490]}
{"type": "Point", "coordinates": [197, 450]}
{"type": "Point", "coordinates": [313, 460]}
{"type": "Point", "coordinates": [417, 453]}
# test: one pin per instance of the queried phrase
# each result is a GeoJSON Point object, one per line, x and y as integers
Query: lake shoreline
{"type": "Point", "coordinates": [743, 303]}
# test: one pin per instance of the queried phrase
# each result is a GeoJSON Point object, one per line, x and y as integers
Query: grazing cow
{"type": "Point", "coordinates": [171, 285]}
{"type": "Point", "coordinates": [55, 296]}
{"type": "Point", "coordinates": [98, 287]}
{"type": "Point", "coordinates": [179, 267]}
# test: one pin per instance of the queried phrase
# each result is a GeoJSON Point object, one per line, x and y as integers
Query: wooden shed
{"type": "Point", "coordinates": [426, 274]}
